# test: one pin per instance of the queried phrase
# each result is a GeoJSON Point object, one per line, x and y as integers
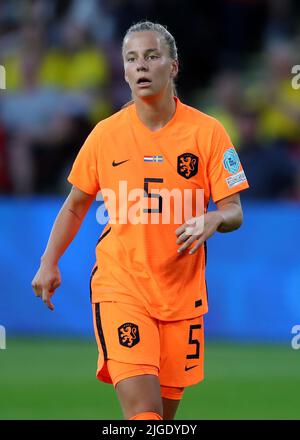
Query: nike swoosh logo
{"type": "Point", "coordinates": [189, 368]}
{"type": "Point", "coordinates": [115, 164]}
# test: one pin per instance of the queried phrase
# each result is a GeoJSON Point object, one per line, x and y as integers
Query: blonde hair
{"type": "Point", "coordinates": [143, 26]}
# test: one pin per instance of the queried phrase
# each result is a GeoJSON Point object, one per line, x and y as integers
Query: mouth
{"type": "Point", "coordinates": [144, 82]}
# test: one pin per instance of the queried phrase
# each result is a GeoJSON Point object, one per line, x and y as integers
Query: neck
{"type": "Point", "coordinates": [155, 112]}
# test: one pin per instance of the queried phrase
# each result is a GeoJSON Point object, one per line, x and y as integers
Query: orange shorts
{"type": "Point", "coordinates": [131, 342]}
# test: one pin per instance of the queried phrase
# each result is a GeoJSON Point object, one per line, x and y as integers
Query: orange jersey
{"type": "Point", "coordinates": [137, 260]}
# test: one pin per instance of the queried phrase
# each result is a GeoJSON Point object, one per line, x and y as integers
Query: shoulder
{"type": "Point", "coordinates": [114, 122]}
{"type": "Point", "coordinates": [193, 115]}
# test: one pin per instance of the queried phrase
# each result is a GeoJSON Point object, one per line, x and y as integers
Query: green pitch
{"type": "Point", "coordinates": [55, 379]}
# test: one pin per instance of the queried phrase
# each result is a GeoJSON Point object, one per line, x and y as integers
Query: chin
{"type": "Point", "coordinates": [146, 93]}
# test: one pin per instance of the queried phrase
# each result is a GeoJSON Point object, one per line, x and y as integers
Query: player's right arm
{"type": "Point", "coordinates": [65, 228]}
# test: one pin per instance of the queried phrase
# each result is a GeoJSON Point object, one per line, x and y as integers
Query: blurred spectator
{"type": "Point", "coordinates": [278, 101]}
{"type": "Point", "coordinates": [269, 170]}
{"type": "Point", "coordinates": [76, 63]}
{"type": "Point", "coordinates": [80, 66]}
{"type": "Point", "coordinates": [63, 91]}
{"type": "Point", "coordinates": [90, 15]}
{"type": "Point", "coordinates": [224, 101]}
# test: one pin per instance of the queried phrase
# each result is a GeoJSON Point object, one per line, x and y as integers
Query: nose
{"type": "Point", "coordinates": [141, 66]}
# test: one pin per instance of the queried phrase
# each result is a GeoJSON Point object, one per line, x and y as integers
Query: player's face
{"type": "Point", "coordinates": [149, 70]}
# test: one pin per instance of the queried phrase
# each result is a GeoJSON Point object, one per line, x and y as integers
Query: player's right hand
{"type": "Point", "coordinates": [46, 280]}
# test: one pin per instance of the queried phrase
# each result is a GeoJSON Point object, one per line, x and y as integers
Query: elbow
{"type": "Point", "coordinates": [240, 219]}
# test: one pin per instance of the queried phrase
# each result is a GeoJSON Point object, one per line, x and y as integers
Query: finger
{"type": "Point", "coordinates": [55, 285]}
{"type": "Point", "coordinates": [197, 246]}
{"type": "Point", "coordinates": [186, 226]}
{"type": "Point", "coordinates": [190, 230]}
{"type": "Point", "coordinates": [187, 243]}
{"type": "Point", "coordinates": [181, 229]}
{"type": "Point", "coordinates": [37, 290]}
{"type": "Point", "coordinates": [46, 299]}
{"type": "Point", "coordinates": [183, 237]}
{"type": "Point", "coordinates": [50, 305]}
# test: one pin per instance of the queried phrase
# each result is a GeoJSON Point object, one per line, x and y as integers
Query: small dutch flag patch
{"type": "Point", "coordinates": [153, 159]}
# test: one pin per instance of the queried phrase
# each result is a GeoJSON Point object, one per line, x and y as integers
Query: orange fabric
{"type": "Point", "coordinates": [139, 262]}
{"type": "Point", "coordinates": [146, 416]}
{"type": "Point", "coordinates": [131, 342]}
{"type": "Point", "coordinates": [120, 370]}
{"type": "Point", "coordinates": [173, 393]}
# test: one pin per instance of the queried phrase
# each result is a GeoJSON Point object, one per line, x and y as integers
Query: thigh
{"type": "Point", "coordinates": [126, 334]}
{"type": "Point", "coordinates": [182, 352]}
{"type": "Point", "coordinates": [139, 394]}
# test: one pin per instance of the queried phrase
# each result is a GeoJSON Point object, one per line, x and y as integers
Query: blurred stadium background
{"type": "Point", "coordinates": [63, 74]}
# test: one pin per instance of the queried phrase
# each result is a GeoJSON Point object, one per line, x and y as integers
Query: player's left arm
{"type": "Point", "coordinates": [231, 212]}
{"type": "Point", "coordinates": [226, 218]}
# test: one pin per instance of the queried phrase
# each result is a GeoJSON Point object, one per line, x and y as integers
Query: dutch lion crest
{"type": "Point", "coordinates": [187, 165]}
{"type": "Point", "coordinates": [129, 334]}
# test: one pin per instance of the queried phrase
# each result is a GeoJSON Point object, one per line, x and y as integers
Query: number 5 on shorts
{"type": "Point", "coordinates": [194, 342]}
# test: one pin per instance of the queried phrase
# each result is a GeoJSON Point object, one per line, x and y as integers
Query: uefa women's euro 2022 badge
{"type": "Point", "coordinates": [231, 161]}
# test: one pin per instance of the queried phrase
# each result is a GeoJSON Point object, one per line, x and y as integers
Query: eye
{"type": "Point", "coordinates": [153, 57]}
{"type": "Point", "coordinates": [130, 60]}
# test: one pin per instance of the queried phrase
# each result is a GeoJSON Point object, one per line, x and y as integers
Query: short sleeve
{"type": "Point", "coordinates": [225, 173]}
{"type": "Point", "coordinates": [84, 174]}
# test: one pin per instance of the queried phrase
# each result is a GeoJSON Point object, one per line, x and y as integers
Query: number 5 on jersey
{"type": "Point", "coordinates": [147, 180]}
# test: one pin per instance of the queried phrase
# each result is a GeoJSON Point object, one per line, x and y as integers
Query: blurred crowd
{"type": "Point", "coordinates": [64, 73]}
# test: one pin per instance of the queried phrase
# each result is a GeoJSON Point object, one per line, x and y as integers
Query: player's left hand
{"type": "Point", "coordinates": [197, 229]}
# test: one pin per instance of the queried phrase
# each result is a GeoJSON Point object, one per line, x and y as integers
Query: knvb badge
{"type": "Point", "coordinates": [2, 78]}
{"type": "Point", "coordinates": [2, 338]}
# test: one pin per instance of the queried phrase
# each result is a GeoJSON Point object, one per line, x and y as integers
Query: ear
{"type": "Point", "coordinates": [174, 68]}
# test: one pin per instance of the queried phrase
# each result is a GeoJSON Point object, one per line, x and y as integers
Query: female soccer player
{"type": "Point", "coordinates": [148, 287]}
